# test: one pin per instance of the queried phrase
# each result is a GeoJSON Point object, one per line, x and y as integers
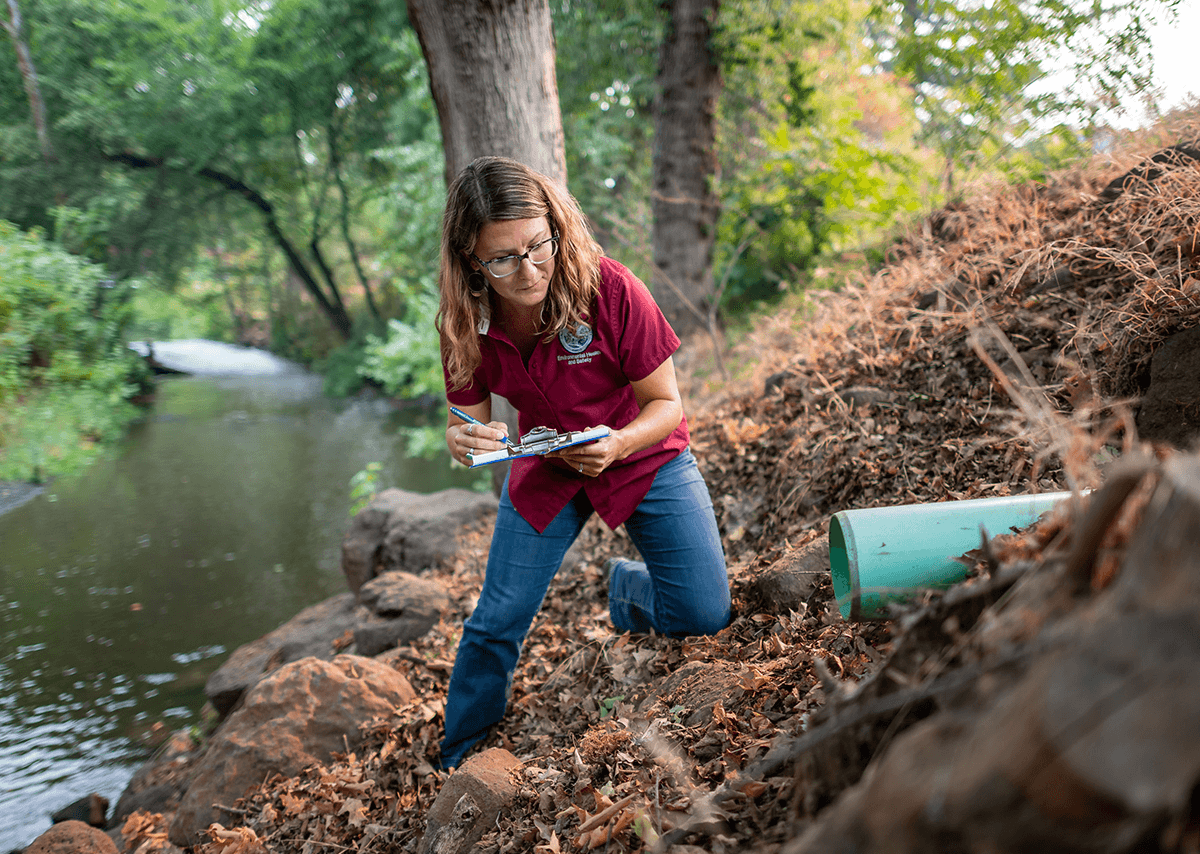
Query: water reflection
{"type": "Point", "coordinates": [121, 590]}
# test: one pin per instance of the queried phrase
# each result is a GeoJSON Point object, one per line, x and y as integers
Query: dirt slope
{"type": "Point", "coordinates": [998, 351]}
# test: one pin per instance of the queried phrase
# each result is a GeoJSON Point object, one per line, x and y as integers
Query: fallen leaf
{"type": "Point", "coordinates": [354, 808]}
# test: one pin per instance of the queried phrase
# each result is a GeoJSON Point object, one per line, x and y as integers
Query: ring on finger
{"type": "Point", "coordinates": [470, 429]}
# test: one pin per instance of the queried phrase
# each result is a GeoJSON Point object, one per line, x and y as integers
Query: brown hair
{"type": "Point", "coordinates": [492, 189]}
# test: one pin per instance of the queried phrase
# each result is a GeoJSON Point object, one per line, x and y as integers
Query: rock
{"type": "Point", "coordinates": [1170, 408]}
{"type": "Point", "coordinates": [72, 837]}
{"type": "Point", "coordinates": [788, 583]}
{"type": "Point", "coordinates": [160, 798]}
{"type": "Point", "coordinates": [1162, 563]}
{"type": "Point", "coordinates": [408, 531]}
{"type": "Point", "coordinates": [159, 784]}
{"type": "Point", "coordinates": [396, 606]}
{"type": "Point", "coordinates": [311, 633]}
{"type": "Point", "coordinates": [91, 810]}
{"type": "Point", "coordinates": [296, 716]}
{"type": "Point", "coordinates": [1150, 170]}
{"type": "Point", "coordinates": [469, 802]}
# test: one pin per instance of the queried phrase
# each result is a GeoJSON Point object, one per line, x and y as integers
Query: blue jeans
{"type": "Point", "coordinates": [681, 589]}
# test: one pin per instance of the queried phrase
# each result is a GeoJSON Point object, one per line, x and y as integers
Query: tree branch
{"type": "Point", "coordinates": [334, 310]}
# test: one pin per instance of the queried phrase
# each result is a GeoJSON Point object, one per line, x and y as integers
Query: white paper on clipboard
{"type": "Point", "coordinates": [539, 442]}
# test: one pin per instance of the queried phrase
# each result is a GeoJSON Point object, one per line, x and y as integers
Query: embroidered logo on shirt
{"type": "Point", "coordinates": [577, 340]}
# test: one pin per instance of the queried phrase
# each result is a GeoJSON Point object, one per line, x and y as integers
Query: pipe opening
{"type": "Point", "coordinates": [845, 582]}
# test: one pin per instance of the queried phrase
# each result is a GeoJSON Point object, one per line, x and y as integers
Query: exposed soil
{"type": "Point", "coordinates": [1002, 349]}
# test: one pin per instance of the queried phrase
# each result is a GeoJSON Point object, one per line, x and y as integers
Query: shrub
{"type": "Point", "coordinates": [66, 375]}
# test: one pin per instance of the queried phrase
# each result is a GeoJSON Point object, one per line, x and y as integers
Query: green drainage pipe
{"type": "Point", "coordinates": [884, 554]}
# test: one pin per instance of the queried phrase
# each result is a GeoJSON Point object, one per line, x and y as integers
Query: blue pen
{"type": "Point", "coordinates": [471, 420]}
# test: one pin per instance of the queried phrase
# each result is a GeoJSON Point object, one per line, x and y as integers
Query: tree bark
{"type": "Point", "coordinates": [33, 89]}
{"type": "Point", "coordinates": [491, 71]}
{"type": "Point", "coordinates": [685, 204]}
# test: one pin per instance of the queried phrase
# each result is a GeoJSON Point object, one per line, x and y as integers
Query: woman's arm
{"type": "Point", "coordinates": [661, 411]}
{"type": "Point", "coordinates": [463, 437]}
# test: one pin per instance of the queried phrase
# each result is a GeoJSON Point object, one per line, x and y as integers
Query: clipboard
{"type": "Point", "coordinates": [538, 442]}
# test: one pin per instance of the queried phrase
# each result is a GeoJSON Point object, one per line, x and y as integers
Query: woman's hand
{"type": "Point", "coordinates": [594, 457]}
{"type": "Point", "coordinates": [463, 437]}
{"type": "Point", "coordinates": [661, 411]}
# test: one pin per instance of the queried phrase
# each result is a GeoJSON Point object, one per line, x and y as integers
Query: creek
{"type": "Point", "coordinates": [218, 519]}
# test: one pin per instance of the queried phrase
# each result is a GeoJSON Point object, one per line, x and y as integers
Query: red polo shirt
{"type": "Point", "coordinates": [578, 380]}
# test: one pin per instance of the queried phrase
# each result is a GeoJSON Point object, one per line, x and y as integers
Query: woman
{"type": "Point", "coordinates": [531, 311]}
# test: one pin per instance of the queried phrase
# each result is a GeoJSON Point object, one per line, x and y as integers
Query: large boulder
{"type": "Point", "coordinates": [1170, 408]}
{"type": "Point", "coordinates": [397, 607]}
{"type": "Point", "coordinates": [295, 717]}
{"type": "Point", "coordinates": [72, 837]}
{"type": "Point", "coordinates": [314, 632]}
{"type": "Point", "coordinates": [410, 531]}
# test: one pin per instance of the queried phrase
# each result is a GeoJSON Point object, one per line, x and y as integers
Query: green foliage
{"type": "Point", "coordinates": [425, 442]}
{"type": "Point", "coordinates": [363, 486]}
{"type": "Point", "coordinates": [979, 71]}
{"type": "Point", "coordinates": [342, 369]}
{"type": "Point", "coordinates": [815, 155]}
{"type": "Point", "coordinates": [192, 312]}
{"type": "Point", "coordinates": [169, 117]}
{"type": "Point", "coordinates": [1045, 154]}
{"type": "Point", "coordinates": [402, 225]}
{"type": "Point", "coordinates": [606, 65]}
{"type": "Point", "coordinates": [319, 112]}
{"type": "Point", "coordinates": [409, 205]}
{"type": "Point", "coordinates": [407, 363]}
{"type": "Point", "coordinates": [609, 704]}
{"type": "Point", "coordinates": [59, 430]}
{"type": "Point", "coordinates": [66, 376]}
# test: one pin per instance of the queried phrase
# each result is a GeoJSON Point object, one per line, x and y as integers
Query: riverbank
{"type": "Point", "coordinates": [15, 493]}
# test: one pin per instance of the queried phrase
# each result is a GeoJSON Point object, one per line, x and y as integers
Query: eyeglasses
{"type": "Point", "coordinates": [538, 253]}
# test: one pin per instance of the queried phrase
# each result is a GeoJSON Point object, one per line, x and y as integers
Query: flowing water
{"type": "Point", "coordinates": [121, 590]}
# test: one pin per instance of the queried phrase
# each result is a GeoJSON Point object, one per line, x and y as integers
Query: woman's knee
{"type": "Point", "coordinates": [489, 626]}
{"type": "Point", "coordinates": [701, 616]}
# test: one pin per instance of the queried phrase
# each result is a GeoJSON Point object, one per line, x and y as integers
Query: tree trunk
{"type": "Point", "coordinates": [685, 204]}
{"type": "Point", "coordinates": [33, 89]}
{"type": "Point", "coordinates": [491, 71]}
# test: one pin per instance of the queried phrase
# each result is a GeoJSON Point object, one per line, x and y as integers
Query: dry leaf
{"type": "Point", "coordinates": [354, 808]}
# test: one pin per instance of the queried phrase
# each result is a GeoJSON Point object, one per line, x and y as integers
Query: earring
{"type": "Point", "coordinates": [477, 284]}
